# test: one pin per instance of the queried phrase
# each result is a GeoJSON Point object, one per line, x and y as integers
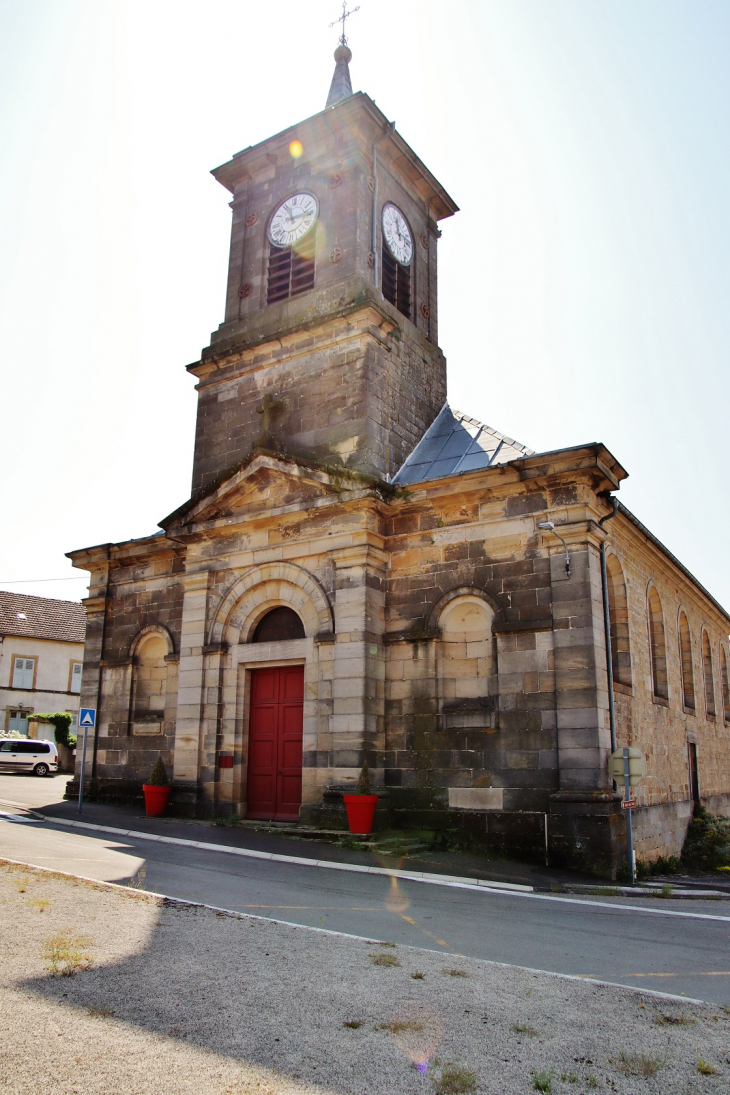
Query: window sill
{"type": "Point", "coordinates": [660, 701]}
{"type": "Point", "coordinates": [689, 710]}
{"type": "Point", "coordinates": [624, 689]}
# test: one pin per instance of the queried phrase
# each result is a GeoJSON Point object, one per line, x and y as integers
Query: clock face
{"type": "Point", "coordinates": [397, 234]}
{"type": "Point", "coordinates": [293, 219]}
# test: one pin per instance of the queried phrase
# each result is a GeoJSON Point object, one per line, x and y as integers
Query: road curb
{"type": "Point", "coordinates": [300, 861]}
{"type": "Point", "coordinates": [346, 935]}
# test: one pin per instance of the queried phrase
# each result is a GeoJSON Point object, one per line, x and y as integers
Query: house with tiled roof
{"type": "Point", "coordinates": [41, 658]}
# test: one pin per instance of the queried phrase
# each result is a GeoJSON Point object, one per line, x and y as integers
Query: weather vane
{"type": "Point", "coordinates": [341, 19]}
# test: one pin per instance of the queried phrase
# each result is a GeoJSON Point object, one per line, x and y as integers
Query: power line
{"type": "Point", "coordinates": [28, 581]}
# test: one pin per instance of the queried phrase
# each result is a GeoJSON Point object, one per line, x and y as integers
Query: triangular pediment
{"type": "Point", "coordinates": [266, 484]}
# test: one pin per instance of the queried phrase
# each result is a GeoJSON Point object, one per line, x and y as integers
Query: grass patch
{"type": "Point", "coordinates": [353, 1024]}
{"type": "Point", "coordinates": [66, 954]}
{"type": "Point", "coordinates": [705, 1068]}
{"type": "Point", "coordinates": [524, 1028]}
{"type": "Point", "coordinates": [666, 890]}
{"type": "Point", "coordinates": [418, 976]}
{"type": "Point", "coordinates": [101, 1013]}
{"type": "Point", "coordinates": [455, 972]}
{"type": "Point", "coordinates": [396, 1026]}
{"type": "Point", "coordinates": [455, 1081]}
{"type": "Point", "coordinates": [543, 1081]}
{"type": "Point", "coordinates": [591, 1080]}
{"type": "Point", "coordinates": [384, 959]}
{"type": "Point", "coordinates": [38, 903]}
{"type": "Point", "coordinates": [665, 1019]}
{"type": "Point", "coordinates": [637, 1064]}
{"type": "Point", "coordinates": [570, 1078]}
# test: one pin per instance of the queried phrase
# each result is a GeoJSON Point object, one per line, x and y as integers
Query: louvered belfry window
{"type": "Point", "coordinates": [291, 269]}
{"type": "Point", "coordinates": [396, 283]}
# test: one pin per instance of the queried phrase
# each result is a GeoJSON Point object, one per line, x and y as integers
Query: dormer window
{"type": "Point", "coordinates": [397, 259]}
{"type": "Point", "coordinates": [292, 237]}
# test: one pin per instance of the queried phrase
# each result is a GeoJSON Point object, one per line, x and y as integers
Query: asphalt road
{"type": "Point", "coordinates": [666, 946]}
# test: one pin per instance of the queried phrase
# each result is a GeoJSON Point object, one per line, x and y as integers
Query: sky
{"type": "Point", "coordinates": [583, 287]}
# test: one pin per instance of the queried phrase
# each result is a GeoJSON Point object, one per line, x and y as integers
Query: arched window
{"type": "Point", "coordinates": [279, 624]}
{"type": "Point", "coordinates": [685, 658]}
{"type": "Point", "coordinates": [725, 685]}
{"type": "Point", "coordinates": [465, 651]}
{"type": "Point", "coordinates": [291, 269]}
{"type": "Point", "coordinates": [150, 684]}
{"type": "Point", "coordinates": [658, 646]}
{"type": "Point", "coordinates": [707, 668]}
{"type": "Point", "coordinates": [619, 619]}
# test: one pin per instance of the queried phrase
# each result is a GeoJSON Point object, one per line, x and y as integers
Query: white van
{"type": "Point", "coordinates": [28, 755]}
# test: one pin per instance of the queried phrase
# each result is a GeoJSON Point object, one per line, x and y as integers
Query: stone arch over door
{"type": "Point", "coordinates": [265, 587]}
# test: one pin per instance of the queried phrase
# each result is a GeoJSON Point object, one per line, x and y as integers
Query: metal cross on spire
{"type": "Point", "coordinates": [341, 19]}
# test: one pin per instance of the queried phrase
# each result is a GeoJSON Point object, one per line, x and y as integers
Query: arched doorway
{"type": "Point", "coordinates": [275, 726]}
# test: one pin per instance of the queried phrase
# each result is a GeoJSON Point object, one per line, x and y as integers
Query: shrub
{"type": "Point", "coordinates": [158, 775]}
{"type": "Point", "coordinates": [707, 845]}
{"type": "Point", "coordinates": [61, 722]}
{"type": "Point", "coordinates": [363, 784]}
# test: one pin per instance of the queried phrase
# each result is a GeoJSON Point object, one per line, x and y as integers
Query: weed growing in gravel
{"type": "Point", "coordinates": [591, 1080]}
{"type": "Point", "coordinates": [137, 882]}
{"type": "Point", "coordinates": [418, 976]}
{"type": "Point", "coordinates": [666, 890]}
{"type": "Point", "coordinates": [101, 1013]}
{"type": "Point", "coordinates": [353, 1024]}
{"type": "Point", "coordinates": [705, 1068]}
{"type": "Point", "coordinates": [664, 1019]}
{"type": "Point", "coordinates": [455, 1081]}
{"type": "Point", "coordinates": [387, 943]}
{"type": "Point", "coordinates": [23, 885]}
{"type": "Point", "coordinates": [524, 1028]}
{"type": "Point", "coordinates": [384, 959]}
{"type": "Point", "coordinates": [39, 903]}
{"type": "Point", "coordinates": [543, 1081]}
{"type": "Point", "coordinates": [455, 973]}
{"type": "Point", "coordinates": [570, 1078]}
{"type": "Point", "coordinates": [398, 1025]}
{"type": "Point", "coordinates": [637, 1064]}
{"type": "Point", "coordinates": [66, 954]}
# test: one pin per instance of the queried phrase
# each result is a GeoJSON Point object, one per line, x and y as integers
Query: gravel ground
{"type": "Point", "coordinates": [170, 998]}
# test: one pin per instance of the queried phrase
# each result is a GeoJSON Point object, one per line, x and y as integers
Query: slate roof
{"type": "Point", "coordinates": [455, 443]}
{"type": "Point", "coordinates": [42, 618]}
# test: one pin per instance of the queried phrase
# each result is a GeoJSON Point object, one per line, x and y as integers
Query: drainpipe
{"type": "Point", "coordinates": [607, 627]}
{"type": "Point", "coordinates": [390, 129]}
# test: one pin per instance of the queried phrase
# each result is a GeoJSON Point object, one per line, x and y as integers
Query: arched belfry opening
{"type": "Point", "coordinates": [280, 624]}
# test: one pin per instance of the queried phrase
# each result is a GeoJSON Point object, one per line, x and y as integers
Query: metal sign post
{"type": "Point", "coordinates": [87, 719]}
{"type": "Point", "coordinates": [628, 765]}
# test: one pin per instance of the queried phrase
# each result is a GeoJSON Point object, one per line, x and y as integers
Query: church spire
{"type": "Point", "coordinates": [341, 87]}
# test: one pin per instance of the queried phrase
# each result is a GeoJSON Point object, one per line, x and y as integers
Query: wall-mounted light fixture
{"type": "Point", "coordinates": [549, 526]}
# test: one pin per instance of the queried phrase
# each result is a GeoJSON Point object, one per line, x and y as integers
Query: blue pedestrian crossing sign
{"type": "Point", "coordinates": [87, 717]}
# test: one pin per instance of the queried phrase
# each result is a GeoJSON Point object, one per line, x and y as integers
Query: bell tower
{"type": "Point", "coordinates": [328, 350]}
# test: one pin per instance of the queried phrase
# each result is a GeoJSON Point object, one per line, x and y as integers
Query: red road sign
{"type": "Point", "coordinates": [628, 804]}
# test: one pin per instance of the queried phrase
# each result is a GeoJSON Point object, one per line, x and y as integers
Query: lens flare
{"type": "Point", "coordinates": [396, 901]}
{"type": "Point", "coordinates": [295, 149]}
{"type": "Point", "coordinates": [417, 1032]}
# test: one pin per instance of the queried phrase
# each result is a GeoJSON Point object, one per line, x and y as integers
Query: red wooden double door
{"type": "Point", "coordinates": [275, 743]}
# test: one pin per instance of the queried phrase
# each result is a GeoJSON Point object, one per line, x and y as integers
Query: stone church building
{"type": "Point", "coordinates": [363, 572]}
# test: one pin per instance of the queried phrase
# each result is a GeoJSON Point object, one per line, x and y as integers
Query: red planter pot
{"type": "Point", "coordinates": [155, 799]}
{"type": "Point", "coordinates": [360, 812]}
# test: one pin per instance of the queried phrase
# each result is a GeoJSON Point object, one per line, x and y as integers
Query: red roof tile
{"type": "Point", "coordinates": [42, 617]}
